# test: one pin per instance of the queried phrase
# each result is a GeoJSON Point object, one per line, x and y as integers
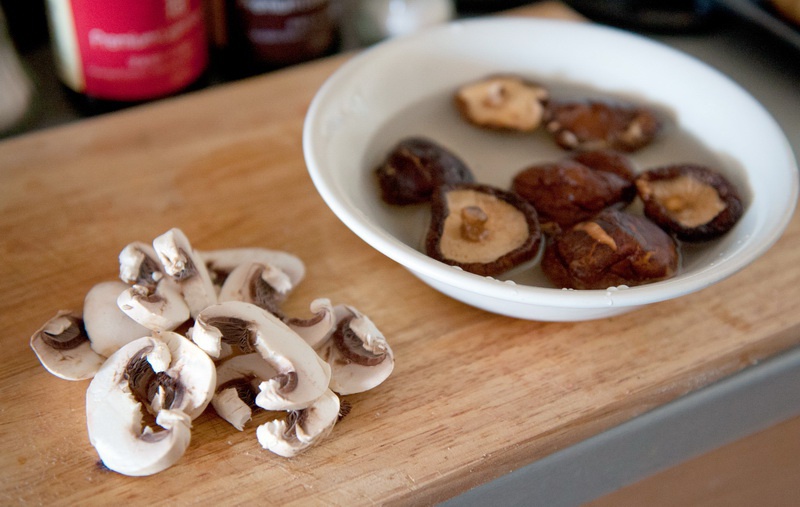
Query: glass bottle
{"type": "Point", "coordinates": [269, 34]}
{"type": "Point", "coordinates": [114, 53]}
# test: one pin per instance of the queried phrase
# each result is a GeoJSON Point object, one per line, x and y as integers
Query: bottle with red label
{"type": "Point", "coordinates": [112, 53]}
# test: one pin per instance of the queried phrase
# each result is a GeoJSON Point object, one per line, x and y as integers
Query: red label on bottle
{"type": "Point", "coordinates": [139, 50]}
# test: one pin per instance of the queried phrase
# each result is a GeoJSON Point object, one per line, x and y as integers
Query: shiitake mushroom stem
{"type": "Point", "coordinates": [473, 224]}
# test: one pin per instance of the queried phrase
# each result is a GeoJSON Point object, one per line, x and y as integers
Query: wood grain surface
{"type": "Point", "coordinates": [473, 396]}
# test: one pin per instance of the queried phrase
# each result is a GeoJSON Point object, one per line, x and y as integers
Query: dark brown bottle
{"type": "Point", "coordinates": [264, 35]}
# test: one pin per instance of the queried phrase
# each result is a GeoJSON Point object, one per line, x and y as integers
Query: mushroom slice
{"type": "Point", "coordinates": [267, 286]}
{"type": "Point", "coordinates": [187, 268]}
{"type": "Point", "coordinates": [482, 229]}
{"type": "Point", "coordinates": [301, 376]}
{"type": "Point", "coordinates": [237, 387]}
{"type": "Point", "coordinates": [302, 429]}
{"type": "Point", "coordinates": [358, 353]}
{"type": "Point", "coordinates": [63, 347]}
{"type": "Point", "coordinates": [317, 329]}
{"type": "Point", "coordinates": [165, 375]}
{"type": "Point", "coordinates": [160, 309]}
{"type": "Point", "coordinates": [139, 265]}
{"type": "Point", "coordinates": [220, 263]}
{"type": "Point", "coordinates": [264, 285]}
{"type": "Point", "coordinates": [106, 324]}
{"type": "Point", "coordinates": [503, 102]}
{"type": "Point", "coordinates": [193, 369]}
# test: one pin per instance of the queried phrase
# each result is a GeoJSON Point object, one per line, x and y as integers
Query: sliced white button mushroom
{"type": "Point", "coordinates": [186, 268]}
{"type": "Point", "coordinates": [237, 386]}
{"type": "Point", "coordinates": [302, 429]}
{"type": "Point", "coordinates": [301, 377]}
{"type": "Point", "coordinates": [166, 375]}
{"type": "Point", "coordinates": [358, 353]}
{"type": "Point", "coordinates": [195, 371]}
{"type": "Point", "coordinates": [317, 329]}
{"type": "Point", "coordinates": [264, 285]}
{"type": "Point", "coordinates": [142, 400]}
{"type": "Point", "coordinates": [107, 326]}
{"type": "Point", "coordinates": [63, 348]}
{"type": "Point", "coordinates": [159, 309]}
{"type": "Point", "coordinates": [139, 265]}
{"type": "Point", "coordinates": [222, 262]}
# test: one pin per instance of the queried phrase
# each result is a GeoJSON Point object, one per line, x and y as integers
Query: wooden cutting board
{"type": "Point", "coordinates": [473, 395]}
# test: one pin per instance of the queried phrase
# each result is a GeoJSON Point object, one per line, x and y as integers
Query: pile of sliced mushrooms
{"type": "Point", "coordinates": [183, 328]}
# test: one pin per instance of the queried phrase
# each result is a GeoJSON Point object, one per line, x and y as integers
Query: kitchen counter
{"type": "Point", "coordinates": [474, 396]}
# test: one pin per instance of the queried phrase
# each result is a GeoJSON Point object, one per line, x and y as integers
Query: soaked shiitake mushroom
{"type": "Point", "coordinates": [482, 229]}
{"type": "Point", "coordinates": [415, 168]}
{"type": "Point", "coordinates": [595, 124]}
{"type": "Point", "coordinates": [576, 188]}
{"type": "Point", "coordinates": [694, 202]}
{"type": "Point", "coordinates": [612, 249]}
{"type": "Point", "coordinates": [502, 102]}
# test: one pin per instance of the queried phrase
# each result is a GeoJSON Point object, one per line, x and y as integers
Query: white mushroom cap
{"type": "Point", "coordinates": [63, 348]}
{"type": "Point", "coordinates": [358, 353]}
{"type": "Point", "coordinates": [243, 372]}
{"type": "Point", "coordinates": [181, 380]}
{"type": "Point", "coordinates": [107, 326]}
{"type": "Point", "coordinates": [114, 419]}
{"type": "Point", "coordinates": [302, 376]}
{"type": "Point", "coordinates": [195, 370]}
{"type": "Point", "coordinates": [226, 260]}
{"type": "Point", "coordinates": [126, 448]}
{"type": "Point", "coordinates": [264, 285]}
{"type": "Point", "coordinates": [160, 310]}
{"type": "Point", "coordinates": [187, 268]}
{"type": "Point", "coordinates": [304, 428]}
{"type": "Point", "coordinates": [139, 265]}
{"type": "Point", "coordinates": [316, 330]}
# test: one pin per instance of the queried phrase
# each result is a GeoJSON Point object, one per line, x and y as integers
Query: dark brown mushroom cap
{"type": "Point", "coordinates": [513, 233]}
{"type": "Point", "coordinates": [614, 248]}
{"type": "Point", "coordinates": [415, 167]}
{"type": "Point", "coordinates": [694, 202]}
{"type": "Point", "coordinates": [576, 188]}
{"type": "Point", "coordinates": [610, 161]}
{"type": "Point", "coordinates": [594, 124]}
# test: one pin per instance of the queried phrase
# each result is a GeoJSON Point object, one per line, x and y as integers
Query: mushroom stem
{"type": "Point", "coordinates": [473, 224]}
{"type": "Point", "coordinates": [139, 265]}
{"type": "Point", "coordinates": [186, 268]}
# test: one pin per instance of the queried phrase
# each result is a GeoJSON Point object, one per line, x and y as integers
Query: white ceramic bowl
{"type": "Point", "coordinates": [404, 87]}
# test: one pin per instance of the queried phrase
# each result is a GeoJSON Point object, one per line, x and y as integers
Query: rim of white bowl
{"type": "Point", "coordinates": [416, 261]}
